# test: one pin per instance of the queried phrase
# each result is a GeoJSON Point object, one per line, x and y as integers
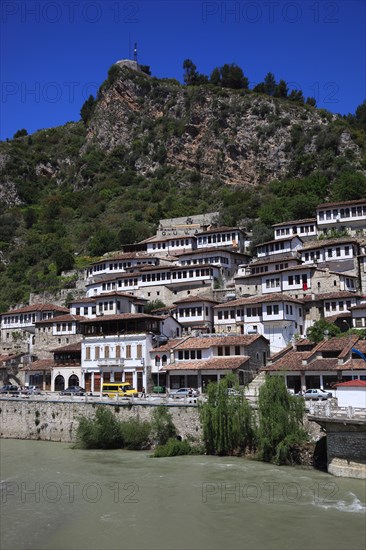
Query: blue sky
{"type": "Point", "coordinates": [55, 53]}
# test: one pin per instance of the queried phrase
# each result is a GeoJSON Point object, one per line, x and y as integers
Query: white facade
{"type": "Point", "coordinates": [279, 246]}
{"type": "Point", "coordinates": [306, 229]}
{"type": "Point", "coordinates": [173, 276]}
{"type": "Point", "coordinates": [343, 216]}
{"type": "Point", "coordinates": [331, 252]}
{"type": "Point", "coordinates": [116, 358]}
{"type": "Point", "coordinates": [351, 396]}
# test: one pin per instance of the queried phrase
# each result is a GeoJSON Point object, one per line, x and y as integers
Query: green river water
{"type": "Point", "coordinates": [55, 497]}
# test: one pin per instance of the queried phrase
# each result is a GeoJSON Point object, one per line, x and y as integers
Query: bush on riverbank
{"type": "Point", "coordinates": [101, 432]}
{"type": "Point", "coordinates": [177, 447]}
{"type": "Point", "coordinates": [162, 427]}
{"type": "Point", "coordinates": [104, 431]}
{"type": "Point", "coordinates": [135, 434]}
{"type": "Point", "coordinates": [174, 447]}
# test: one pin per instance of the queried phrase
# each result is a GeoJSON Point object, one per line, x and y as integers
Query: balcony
{"type": "Point", "coordinates": [111, 362]}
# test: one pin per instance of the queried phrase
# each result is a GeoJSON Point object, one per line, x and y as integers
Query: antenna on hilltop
{"type": "Point", "coordinates": [135, 52]}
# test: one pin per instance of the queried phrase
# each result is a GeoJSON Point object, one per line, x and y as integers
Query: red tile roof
{"type": "Point", "coordinates": [341, 203]}
{"type": "Point", "coordinates": [295, 222]}
{"type": "Point", "coordinates": [352, 384]}
{"type": "Point", "coordinates": [197, 342]}
{"type": "Point", "coordinates": [37, 307]}
{"type": "Point", "coordinates": [214, 363]}
{"type": "Point", "coordinates": [275, 297]}
{"type": "Point", "coordinates": [197, 298]}
{"type": "Point", "coordinates": [311, 245]}
{"type": "Point", "coordinates": [282, 240]}
{"type": "Point", "coordinates": [126, 256]}
{"type": "Point", "coordinates": [121, 316]}
{"type": "Point", "coordinates": [41, 364]}
{"type": "Point", "coordinates": [75, 347]}
{"type": "Point", "coordinates": [61, 318]}
{"type": "Point", "coordinates": [331, 296]}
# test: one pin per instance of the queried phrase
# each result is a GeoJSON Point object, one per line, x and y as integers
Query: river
{"type": "Point", "coordinates": [57, 498]}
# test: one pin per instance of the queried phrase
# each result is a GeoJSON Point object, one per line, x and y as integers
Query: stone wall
{"type": "Point", "coordinates": [346, 446]}
{"type": "Point", "coordinates": [58, 420]}
{"type": "Point", "coordinates": [346, 449]}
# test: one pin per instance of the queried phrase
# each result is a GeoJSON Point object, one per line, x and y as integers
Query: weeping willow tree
{"type": "Point", "coordinates": [280, 417]}
{"type": "Point", "coordinates": [226, 419]}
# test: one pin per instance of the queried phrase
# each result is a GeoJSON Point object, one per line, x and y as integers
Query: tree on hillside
{"type": "Point", "coordinates": [215, 77]}
{"type": "Point", "coordinates": [321, 329]}
{"type": "Point", "coordinates": [154, 304]}
{"type": "Point", "coordinates": [20, 133]}
{"type": "Point", "coordinates": [311, 101]}
{"type": "Point", "coordinates": [281, 89]}
{"type": "Point", "coordinates": [232, 76]}
{"type": "Point", "coordinates": [87, 109]}
{"type": "Point", "coordinates": [296, 96]}
{"type": "Point", "coordinates": [349, 186]}
{"type": "Point", "coordinates": [270, 84]}
{"type": "Point", "coordinates": [190, 72]}
{"type": "Point", "coordinates": [360, 115]}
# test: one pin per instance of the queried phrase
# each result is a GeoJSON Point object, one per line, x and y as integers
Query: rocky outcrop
{"type": "Point", "coordinates": [238, 136]}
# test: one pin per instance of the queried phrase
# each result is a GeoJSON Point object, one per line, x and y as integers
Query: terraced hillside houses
{"type": "Point", "coordinates": [211, 287]}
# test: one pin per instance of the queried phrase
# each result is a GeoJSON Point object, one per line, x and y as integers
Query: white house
{"type": "Point", "coordinates": [306, 229]}
{"type": "Point", "coordinates": [351, 393]}
{"type": "Point", "coordinates": [347, 216]}
{"type": "Point", "coordinates": [286, 246]}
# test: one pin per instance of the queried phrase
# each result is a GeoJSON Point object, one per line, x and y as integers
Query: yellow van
{"type": "Point", "coordinates": [122, 389]}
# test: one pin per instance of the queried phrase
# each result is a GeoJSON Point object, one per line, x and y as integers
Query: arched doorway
{"type": "Point", "coordinates": [74, 380]}
{"type": "Point", "coordinates": [59, 383]}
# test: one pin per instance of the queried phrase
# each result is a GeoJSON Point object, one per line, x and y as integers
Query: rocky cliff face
{"type": "Point", "coordinates": [240, 137]}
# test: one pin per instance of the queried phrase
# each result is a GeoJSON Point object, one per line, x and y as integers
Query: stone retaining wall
{"type": "Point", "coordinates": [58, 420]}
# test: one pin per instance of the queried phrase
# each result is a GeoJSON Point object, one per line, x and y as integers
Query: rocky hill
{"type": "Point", "coordinates": [148, 149]}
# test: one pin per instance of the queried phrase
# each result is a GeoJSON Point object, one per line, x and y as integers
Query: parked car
{"type": "Point", "coordinates": [184, 392]}
{"type": "Point", "coordinates": [31, 390]}
{"type": "Point", "coordinates": [10, 389]}
{"type": "Point", "coordinates": [159, 389]}
{"type": "Point", "coordinates": [73, 390]}
{"type": "Point", "coordinates": [232, 392]}
{"type": "Point", "coordinates": [317, 394]}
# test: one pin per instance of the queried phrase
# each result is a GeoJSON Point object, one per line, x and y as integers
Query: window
{"type": "Point", "coordinates": [139, 351]}
{"type": "Point", "coordinates": [128, 351]}
{"type": "Point", "coordinates": [96, 352]}
{"type": "Point", "coordinates": [87, 354]}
